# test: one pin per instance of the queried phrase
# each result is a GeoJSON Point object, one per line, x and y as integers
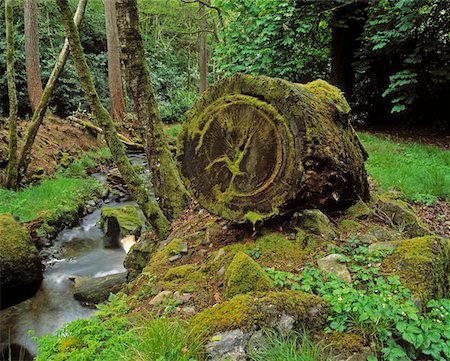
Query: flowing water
{"type": "Point", "coordinates": [76, 251]}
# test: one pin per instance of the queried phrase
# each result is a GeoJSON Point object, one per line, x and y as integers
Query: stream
{"type": "Point", "coordinates": [76, 251]}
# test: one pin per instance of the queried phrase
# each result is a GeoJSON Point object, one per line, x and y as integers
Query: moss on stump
{"type": "Point", "coordinates": [20, 264]}
{"type": "Point", "coordinates": [256, 147]}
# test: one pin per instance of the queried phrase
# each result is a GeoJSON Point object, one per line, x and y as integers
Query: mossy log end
{"type": "Point", "coordinates": [255, 147]}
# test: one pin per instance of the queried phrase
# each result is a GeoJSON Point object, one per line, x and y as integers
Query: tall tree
{"type": "Point", "coordinates": [11, 170]}
{"type": "Point", "coordinates": [347, 27]}
{"type": "Point", "coordinates": [44, 101]}
{"type": "Point", "coordinates": [167, 184]}
{"type": "Point", "coordinates": [151, 210]}
{"type": "Point", "coordinates": [32, 56]}
{"type": "Point", "coordinates": [203, 50]}
{"type": "Point", "coordinates": [116, 93]}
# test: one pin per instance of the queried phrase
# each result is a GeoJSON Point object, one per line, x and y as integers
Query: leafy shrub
{"type": "Point", "coordinates": [379, 309]}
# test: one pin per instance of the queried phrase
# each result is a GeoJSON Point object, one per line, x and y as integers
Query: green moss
{"type": "Point", "coordinates": [344, 342]}
{"type": "Point", "coordinates": [14, 239]}
{"type": "Point", "coordinates": [127, 217]}
{"type": "Point", "coordinates": [401, 214]}
{"type": "Point", "coordinates": [423, 265]}
{"type": "Point", "coordinates": [159, 263]}
{"type": "Point", "coordinates": [350, 226]}
{"type": "Point", "coordinates": [359, 210]}
{"type": "Point", "coordinates": [314, 221]}
{"type": "Point", "coordinates": [328, 94]}
{"type": "Point", "coordinates": [244, 275]}
{"type": "Point", "coordinates": [259, 309]}
{"type": "Point", "coordinates": [180, 272]}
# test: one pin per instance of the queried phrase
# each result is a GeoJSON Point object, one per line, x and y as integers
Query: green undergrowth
{"type": "Point", "coordinates": [49, 200]}
{"type": "Point", "coordinates": [58, 197]}
{"type": "Point", "coordinates": [293, 346]}
{"type": "Point", "coordinates": [422, 172]}
{"type": "Point", "coordinates": [87, 162]}
{"type": "Point", "coordinates": [113, 335]}
{"type": "Point", "coordinates": [376, 307]}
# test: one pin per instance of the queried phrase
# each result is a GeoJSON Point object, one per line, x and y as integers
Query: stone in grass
{"type": "Point", "coordinates": [20, 264]}
{"type": "Point", "coordinates": [227, 328]}
{"type": "Point", "coordinates": [313, 221]}
{"type": "Point", "coordinates": [400, 213]}
{"type": "Point", "coordinates": [244, 275]}
{"type": "Point", "coordinates": [332, 264]}
{"type": "Point", "coordinates": [118, 222]}
{"type": "Point", "coordinates": [423, 264]}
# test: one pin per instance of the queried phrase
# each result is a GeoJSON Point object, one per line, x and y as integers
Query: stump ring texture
{"type": "Point", "coordinates": [241, 152]}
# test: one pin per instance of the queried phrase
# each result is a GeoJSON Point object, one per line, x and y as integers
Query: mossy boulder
{"type": "Point", "coordinates": [251, 311]}
{"type": "Point", "coordinates": [400, 213]}
{"type": "Point", "coordinates": [349, 226]}
{"type": "Point", "coordinates": [92, 290]}
{"type": "Point", "coordinates": [20, 264]}
{"type": "Point", "coordinates": [118, 222]}
{"type": "Point", "coordinates": [359, 210]}
{"type": "Point", "coordinates": [244, 275]}
{"type": "Point", "coordinates": [140, 253]}
{"type": "Point", "coordinates": [423, 264]}
{"type": "Point", "coordinates": [313, 221]}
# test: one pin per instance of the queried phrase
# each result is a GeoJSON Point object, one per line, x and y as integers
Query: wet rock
{"type": "Point", "coordinates": [161, 298]}
{"type": "Point", "coordinates": [20, 264]}
{"type": "Point", "coordinates": [140, 253]}
{"type": "Point", "coordinates": [313, 221]}
{"type": "Point", "coordinates": [332, 264]}
{"type": "Point", "coordinates": [118, 222]}
{"type": "Point", "coordinates": [92, 290]}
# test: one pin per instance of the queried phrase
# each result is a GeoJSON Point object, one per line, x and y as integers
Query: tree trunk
{"type": "Point", "coordinates": [44, 101]}
{"type": "Point", "coordinates": [116, 93]}
{"type": "Point", "coordinates": [203, 51]}
{"type": "Point", "coordinates": [169, 189]}
{"type": "Point", "coordinates": [11, 170]}
{"type": "Point", "coordinates": [347, 27]}
{"type": "Point", "coordinates": [32, 56]}
{"type": "Point", "coordinates": [256, 147]}
{"type": "Point", "coordinates": [104, 120]}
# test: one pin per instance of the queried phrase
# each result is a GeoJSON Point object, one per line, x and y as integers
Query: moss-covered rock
{"type": "Point", "coordinates": [140, 253]}
{"type": "Point", "coordinates": [119, 222]}
{"type": "Point", "coordinates": [314, 221]}
{"type": "Point", "coordinates": [244, 275]}
{"type": "Point", "coordinates": [359, 210]}
{"type": "Point", "coordinates": [349, 226]}
{"type": "Point", "coordinates": [423, 265]}
{"type": "Point", "coordinates": [20, 264]}
{"type": "Point", "coordinates": [91, 290]}
{"type": "Point", "coordinates": [400, 213]}
{"type": "Point", "coordinates": [256, 310]}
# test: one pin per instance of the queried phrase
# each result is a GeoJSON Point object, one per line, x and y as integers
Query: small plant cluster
{"type": "Point", "coordinates": [111, 335]}
{"type": "Point", "coordinates": [378, 308]}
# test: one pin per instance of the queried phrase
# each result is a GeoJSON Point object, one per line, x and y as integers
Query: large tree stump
{"type": "Point", "coordinates": [255, 147]}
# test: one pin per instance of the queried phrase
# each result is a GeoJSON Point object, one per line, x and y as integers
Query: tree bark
{"type": "Point", "coordinates": [32, 56]}
{"type": "Point", "coordinates": [203, 51]}
{"type": "Point", "coordinates": [104, 120]}
{"type": "Point", "coordinates": [11, 170]}
{"type": "Point", "coordinates": [167, 184]}
{"type": "Point", "coordinates": [256, 147]}
{"type": "Point", "coordinates": [44, 101]}
{"type": "Point", "coordinates": [116, 93]}
{"type": "Point", "coordinates": [347, 28]}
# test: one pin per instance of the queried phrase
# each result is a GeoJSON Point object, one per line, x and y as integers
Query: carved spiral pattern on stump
{"type": "Point", "coordinates": [242, 149]}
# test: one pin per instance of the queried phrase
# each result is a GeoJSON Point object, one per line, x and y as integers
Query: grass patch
{"type": "Point", "coordinates": [49, 200]}
{"type": "Point", "coordinates": [422, 172]}
{"type": "Point", "coordinates": [172, 131]}
{"type": "Point", "coordinates": [291, 347]}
